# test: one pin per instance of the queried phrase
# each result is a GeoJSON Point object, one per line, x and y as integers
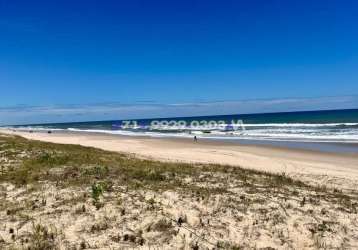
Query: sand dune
{"type": "Point", "coordinates": [61, 196]}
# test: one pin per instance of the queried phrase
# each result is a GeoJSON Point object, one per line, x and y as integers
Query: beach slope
{"type": "Point", "coordinates": [66, 196]}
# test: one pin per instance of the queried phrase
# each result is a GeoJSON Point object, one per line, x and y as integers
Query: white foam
{"type": "Point", "coordinates": [279, 132]}
{"type": "Point", "coordinates": [299, 124]}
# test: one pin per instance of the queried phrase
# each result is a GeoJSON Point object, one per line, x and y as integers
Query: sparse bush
{"type": "Point", "coordinates": [162, 225]}
{"type": "Point", "coordinates": [99, 226]}
{"type": "Point", "coordinates": [97, 191]}
{"type": "Point", "coordinates": [41, 238]}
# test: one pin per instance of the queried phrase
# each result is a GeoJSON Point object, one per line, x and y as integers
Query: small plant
{"type": "Point", "coordinates": [41, 238]}
{"type": "Point", "coordinates": [182, 219]}
{"type": "Point", "coordinates": [303, 202]}
{"type": "Point", "coordinates": [80, 209]}
{"type": "Point", "coordinates": [99, 226]}
{"type": "Point", "coordinates": [83, 244]}
{"type": "Point", "coordinates": [119, 201]}
{"type": "Point", "coordinates": [97, 191]}
{"type": "Point", "coordinates": [151, 203]}
{"type": "Point", "coordinates": [162, 225]}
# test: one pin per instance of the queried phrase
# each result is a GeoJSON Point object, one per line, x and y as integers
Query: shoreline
{"type": "Point", "coordinates": [321, 168]}
{"type": "Point", "coordinates": [344, 147]}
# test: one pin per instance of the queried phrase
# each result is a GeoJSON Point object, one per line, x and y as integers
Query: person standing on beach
{"type": "Point", "coordinates": [195, 138]}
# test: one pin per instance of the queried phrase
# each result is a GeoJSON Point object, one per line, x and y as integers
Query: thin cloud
{"type": "Point", "coordinates": [23, 114]}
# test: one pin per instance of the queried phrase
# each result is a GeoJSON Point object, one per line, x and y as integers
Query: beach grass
{"type": "Point", "coordinates": [99, 180]}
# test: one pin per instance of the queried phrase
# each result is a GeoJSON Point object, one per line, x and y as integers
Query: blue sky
{"type": "Point", "coordinates": [62, 54]}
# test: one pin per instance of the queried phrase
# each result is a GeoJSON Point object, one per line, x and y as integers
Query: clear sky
{"type": "Point", "coordinates": [90, 52]}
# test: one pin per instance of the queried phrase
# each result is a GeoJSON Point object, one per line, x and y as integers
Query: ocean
{"type": "Point", "coordinates": [335, 126]}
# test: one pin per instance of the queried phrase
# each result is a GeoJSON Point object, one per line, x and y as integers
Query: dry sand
{"type": "Point", "coordinates": [330, 169]}
{"type": "Point", "coordinates": [248, 215]}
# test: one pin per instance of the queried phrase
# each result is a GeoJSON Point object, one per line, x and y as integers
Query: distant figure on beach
{"type": "Point", "coordinates": [49, 132]}
{"type": "Point", "coordinates": [195, 138]}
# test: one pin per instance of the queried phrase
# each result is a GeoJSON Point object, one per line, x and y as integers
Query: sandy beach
{"type": "Point", "coordinates": [329, 169]}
